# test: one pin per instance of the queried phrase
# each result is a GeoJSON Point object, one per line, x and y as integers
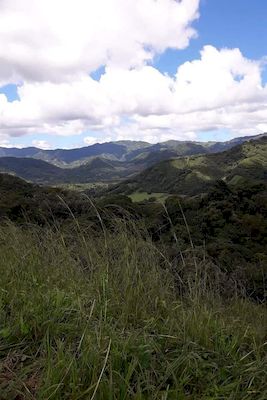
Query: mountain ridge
{"type": "Point", "coordinates": [124, 150]}
{"type": "Point", "coordinates": [108, 169]}
{"type": "Point", "coordinates": [195, 174]}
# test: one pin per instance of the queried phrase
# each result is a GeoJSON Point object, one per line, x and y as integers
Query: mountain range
{"type": "Point", "coordinates": [190, 175]}
{"type": "Point", "coordinates": [107, 162]}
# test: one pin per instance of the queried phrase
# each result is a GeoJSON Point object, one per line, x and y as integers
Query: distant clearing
{"type": "Point", "coordinates": [141, 196]}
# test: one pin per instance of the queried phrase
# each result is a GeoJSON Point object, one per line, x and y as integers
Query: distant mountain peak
{"type": "Point", "coordinates": [103, 162]}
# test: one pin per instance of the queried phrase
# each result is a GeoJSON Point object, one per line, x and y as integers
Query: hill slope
{"type": "Point", "coordinates": [31, 169]}
{"type": "Point", "coordinates": [195, 174]}
{"type": "Point", "coordinates": [42, 172]}
{"type": "Point", "coordinates": [134, 157]}
{"type": "Point", "coordinates": [75, 157]}
{"type": "Point", "coordinates": [121, 151]}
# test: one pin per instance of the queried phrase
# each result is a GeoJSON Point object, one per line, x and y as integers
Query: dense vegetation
{"type": "Point", "coordinates": [106, 162]}
{"type": "Point", "coordinates": [228, 225]}
{"type": "Point", "coordinates": [195, 174]}
{"type": "Point", "coordinates": [153, 296]}
{"type": "Point", "coordinates": [42, 172]}
{"type": "Point", "coordinates": [91, 314]}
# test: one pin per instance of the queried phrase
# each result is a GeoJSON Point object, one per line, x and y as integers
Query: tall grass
{"type": "Point", "coordinates": [90, 314]}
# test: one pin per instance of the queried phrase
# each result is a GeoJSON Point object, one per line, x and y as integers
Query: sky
{"type": "Point", "coordinates": [77, 72]}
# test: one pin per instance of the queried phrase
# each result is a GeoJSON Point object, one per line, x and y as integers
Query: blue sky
{"type": "Point", "coordinates": [222, 23]}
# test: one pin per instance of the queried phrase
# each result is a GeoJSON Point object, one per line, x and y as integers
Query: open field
{"type": "Point", "coordinates": [141, 196]}
{"type": "Point", "coordinates": [81, 187]}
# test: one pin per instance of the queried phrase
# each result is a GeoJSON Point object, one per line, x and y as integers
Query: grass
{"type": "Point", "coordinates": [89, 315]}
{"type": "Point", "coordinates": [141, 196]}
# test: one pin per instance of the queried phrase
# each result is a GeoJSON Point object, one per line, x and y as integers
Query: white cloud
{"type": "Point", "coordinates": [41, 144]}
{"type": "Point", "coordinates": [5, 143]}
{"type": "Point", "coordinates": [218, 79]}
{"type": "Point", "coordinates": [51, 47]}
{"type": "Point", "coordinates": [222, 89]}
{"type": "Point", "coordinates": [89, 140]}
{"type": "Point", "coordinates": [62, 39]}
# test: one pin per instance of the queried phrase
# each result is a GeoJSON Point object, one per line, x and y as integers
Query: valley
{"type": "Point", "coordinates": [107, 162]}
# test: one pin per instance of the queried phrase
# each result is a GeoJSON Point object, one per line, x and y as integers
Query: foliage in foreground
{"type": "Point", "coordinates": [89, 315]}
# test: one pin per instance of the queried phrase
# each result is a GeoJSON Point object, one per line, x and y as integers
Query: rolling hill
{"type": "Point", "coordinates": [31, 169]}
{"type": "Point", "coordinates": [124, 151]}
{"type": "Point", "coordinates": [195, 174]}
{"type": "Point", "coordinates": [75, 157]}
{"type": "Point", "coordinates": [41, 172]}
{"type": "Point", "coordinates": [114, 162]}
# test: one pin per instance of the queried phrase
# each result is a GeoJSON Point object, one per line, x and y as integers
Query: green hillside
{"type": "Point", "coordinates": [31, 169]}
{"type": "Point", "coordinates": [124, 150]}
{"type": "Point", "coordinates": [181, 175]}
{"type": "Point", "coordinates": [110, 299]}
{"type": "Point", "coordinates": [195, 174]}
{"type": "Point", "coordinates": [42, 172]}
{"type": "Point", "coordinates": [231, 221]}
{"type": "Point", "coordinates": [75, 157]}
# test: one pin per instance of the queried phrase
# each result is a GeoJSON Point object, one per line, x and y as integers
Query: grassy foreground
{"type": "Point", "coordinates": [85, 315]}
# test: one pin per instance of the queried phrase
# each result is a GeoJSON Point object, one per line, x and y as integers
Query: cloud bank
{"type": "Point", "coordinates": [59, 40]}
{"type": "Point", "coordinates": [50, 49]}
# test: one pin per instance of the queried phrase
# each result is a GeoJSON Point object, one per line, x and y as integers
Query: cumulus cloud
{"type": "Point", "coordinates": [218, 78]}
{"type": "Point", "coordinates": [222, 89]}
{"type": "Point", "coordinates": [51, 47]}
{"type": "Point", "coordinates": [60, 39]}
